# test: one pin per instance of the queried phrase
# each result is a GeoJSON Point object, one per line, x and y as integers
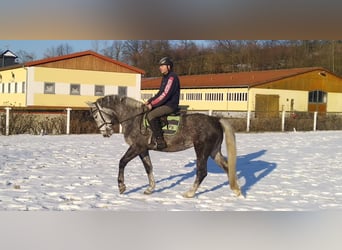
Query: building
{"type": "Point", "coordinates": [67, 81]}
{"type": "Point", "coordinates": [7, 58]}
{"type": "Point", "coordinates": [262, 92]}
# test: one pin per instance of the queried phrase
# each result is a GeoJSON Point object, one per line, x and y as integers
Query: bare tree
{"type": "Point", "coordinates": [115, 50]}
{"type": "Point", "coordinates": [24, 56]}
{"type": "Point", "coordinates": [60, 50]}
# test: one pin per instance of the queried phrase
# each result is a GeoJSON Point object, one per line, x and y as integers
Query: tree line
{"type": "Point", "coordinates": [215, 56]}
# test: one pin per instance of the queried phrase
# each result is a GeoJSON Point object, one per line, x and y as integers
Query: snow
{"type": "Point", "coordinates": [294, 171]}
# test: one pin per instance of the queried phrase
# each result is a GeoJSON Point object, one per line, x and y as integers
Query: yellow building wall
{"type": "Point", "coordinates": [63, 78]}
{"type": "Point", "coordinates": [208, 99]}
{"type": "Point", "coordinates": [13, 100]}
{"type": "Point", "coordinates": [13, 77]}
{"type": "Point", "coordinates": [334, 102]}
{"type": "Point", "coordinates": [63, 100]}
{"type": "Point", "coordinates": [300, 98]}
{"type": "Point", "coordinates": [43, 74]}
{"type": "Point", "coordinates": [19, 75]}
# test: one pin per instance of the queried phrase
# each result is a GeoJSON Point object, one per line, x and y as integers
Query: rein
{"type": "Point", "coordinates": [104, 122]}
{"type": "Point", "coordinates": [131, 117]}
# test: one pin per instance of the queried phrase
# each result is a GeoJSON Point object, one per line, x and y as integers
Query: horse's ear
{"type": "Point", "coordinates": [90, 104]}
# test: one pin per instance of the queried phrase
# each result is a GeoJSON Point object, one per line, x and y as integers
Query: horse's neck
{"type": "Point", "coordinates": [132, 103]}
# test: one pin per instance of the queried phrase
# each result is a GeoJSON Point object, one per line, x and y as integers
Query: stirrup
{"type": "Point", "coordinates": [158, 144]}
{"type": "Point", "coordinates": [161, 144]}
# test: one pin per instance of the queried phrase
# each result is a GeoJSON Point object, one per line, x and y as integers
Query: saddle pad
{"type": "Point", "coordinates": [171, 127]}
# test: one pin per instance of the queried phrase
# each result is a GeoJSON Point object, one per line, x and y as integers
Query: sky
{"type": "Point", "coordinates": [38, 47]}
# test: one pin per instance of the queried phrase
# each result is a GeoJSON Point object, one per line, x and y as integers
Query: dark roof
{"type": "Point", "coordinates": [7, 53]}
{"type": "Point", "coordinates": [239, 79]}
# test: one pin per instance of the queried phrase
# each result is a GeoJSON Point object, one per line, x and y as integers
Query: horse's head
{"type": "Point", "coordinates": [112, 109]}
{"type": "Point", "coordinates": [103, 117]}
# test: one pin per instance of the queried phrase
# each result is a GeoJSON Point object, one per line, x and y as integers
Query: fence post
{"type": "Point", "coordinates": [283, 121]}
{"type": "Point", "coordinates": [248, 120]}
{"type": "Point", "coordinates": [7, 119]}
{"type": "Point", "coordinates": [68, 121]}
{"type": "Point", "coordinates": [315, 121]}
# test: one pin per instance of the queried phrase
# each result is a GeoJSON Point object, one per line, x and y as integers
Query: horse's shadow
{"type": "Point", "coordinates": [248, 167]}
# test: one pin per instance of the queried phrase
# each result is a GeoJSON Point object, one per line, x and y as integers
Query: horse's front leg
{"type": "Point", "coordinates": [130, 154]}
{"type": "Point", "coordinates": [146, 160]}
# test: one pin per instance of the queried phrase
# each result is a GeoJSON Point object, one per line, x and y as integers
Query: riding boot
{"type": "Point", "coordinates": [157, 134]}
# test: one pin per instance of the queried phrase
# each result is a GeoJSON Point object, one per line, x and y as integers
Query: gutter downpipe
{"type": "Point", "coordinates": [248, 111]}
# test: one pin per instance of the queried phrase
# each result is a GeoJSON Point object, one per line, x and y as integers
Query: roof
{"type": "Point", "coordinates": [239, 79]}
{"type": "Point", "coordinates": [80, 54]}
{"type": "Point", "coordinates": [7, 53]}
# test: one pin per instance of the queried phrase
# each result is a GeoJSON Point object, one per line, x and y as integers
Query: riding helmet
{"type": "Point", "coordinates": [166, 61]}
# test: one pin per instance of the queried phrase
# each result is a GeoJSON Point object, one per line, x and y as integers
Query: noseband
{"type": "Point", "coordinates": [101, 113]}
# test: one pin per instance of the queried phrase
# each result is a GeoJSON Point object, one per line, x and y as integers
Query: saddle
{"type": "Point", "coordinates": [170, 123]}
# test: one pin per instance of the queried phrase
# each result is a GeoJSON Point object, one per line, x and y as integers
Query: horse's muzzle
{"type": "Point", "coordinates": [107, 131]}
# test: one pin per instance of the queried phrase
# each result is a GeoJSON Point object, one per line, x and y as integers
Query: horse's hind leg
{"type": "Point", "coordinates": [201, 172]}
{"type": "Point", "coordinates": [146, 160]}
{"type": "Point", "coordinates": [223, 163]}
{"type": "Point", "coordinates": [220, 161]}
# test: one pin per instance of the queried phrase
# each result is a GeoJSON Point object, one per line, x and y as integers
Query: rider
{"type": "Point", "coordinates": [165, 102]}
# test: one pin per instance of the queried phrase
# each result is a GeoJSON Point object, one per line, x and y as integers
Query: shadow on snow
{"type": "Point", "coordinates": [248, 167]}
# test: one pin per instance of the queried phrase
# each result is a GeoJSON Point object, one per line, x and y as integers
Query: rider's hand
{"type": "Point", "coordinates": [149, 106]}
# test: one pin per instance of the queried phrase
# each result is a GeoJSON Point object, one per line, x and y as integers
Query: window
{"type": "Point", "coordinates": [9, 88]}
{"type": "Point", "coordinates": [317, 96]}
{"type": "Point", "coordinates": [214, 96]}
{"type": "Point", "coordinates": [122, 91]}
{"type": "Point", "coordinates": [194, 96]}
{"type": "Point", "coordinates": [23, 87]}
{"type": "Point", "coordinates": [3, 88]}
{"type": "Point", "coordinates": [49, 88]}
{"type": "Point", "coordinates": [16, 87]}
{"type": "Point", "coordinates": [99, 90]}
{"type": "Point", "coordinates": [75, 89]}
{"type": "Point", "coordinates": [237, 97]}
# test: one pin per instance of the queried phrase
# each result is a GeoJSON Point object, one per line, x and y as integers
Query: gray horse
{"type": "Point", "coordinates": [204, 133]}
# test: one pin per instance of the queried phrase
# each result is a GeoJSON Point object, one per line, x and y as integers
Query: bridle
{"type": "Point", "coordinates": [105, 122]}
{"type": "Point", "coordinates": [101, 113]}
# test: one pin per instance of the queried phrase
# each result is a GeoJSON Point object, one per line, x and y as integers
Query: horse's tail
{"type": "Point", "coordinates": [232, 154]}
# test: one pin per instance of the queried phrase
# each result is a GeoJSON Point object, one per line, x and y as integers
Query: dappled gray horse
{"type": "Point", "coordinates": [204, 133]}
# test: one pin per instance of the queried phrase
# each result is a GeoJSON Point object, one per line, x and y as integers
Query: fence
{"type": "Point", "coordinates": [284, 121]}
{"type": "Point", "coordinates": [19, 121]}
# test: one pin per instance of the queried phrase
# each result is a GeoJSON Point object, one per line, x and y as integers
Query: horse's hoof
{"type": "Point", "coordinates": [189, 194]}
{"type": "Point", "coordinates": [237, 192]}
{"type": "Point", "coordinates": [122, 189]}
{"type": "Point", "coordinates": [148, 191]}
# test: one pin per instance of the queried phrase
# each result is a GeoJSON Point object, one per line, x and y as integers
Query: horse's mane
{"type": "Point", "coordinates": [131, 102]}
{"type": "Point", "coordinates": [112, 100]}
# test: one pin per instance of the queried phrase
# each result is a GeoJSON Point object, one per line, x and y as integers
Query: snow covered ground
{"type": "Point", "coordinates": [292, 171]}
